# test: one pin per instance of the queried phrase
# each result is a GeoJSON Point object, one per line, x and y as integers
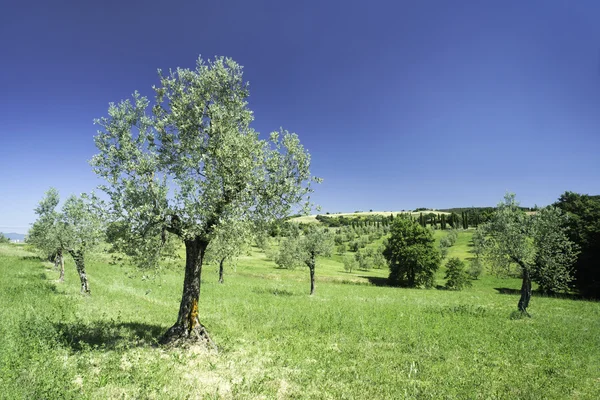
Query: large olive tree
{"type": "Point", "coordinates": [190, 162]}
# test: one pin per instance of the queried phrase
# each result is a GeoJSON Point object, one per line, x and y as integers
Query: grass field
{"type": "Point", "coordinates": [355, 339]}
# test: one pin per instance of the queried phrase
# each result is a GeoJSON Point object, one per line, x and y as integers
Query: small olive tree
{"type": "Point", "coordinates": [45, 233]}
{"type": "Point", "coordinates": [296, 251]}
{"type": "Point", "coordinates": [316, 242]}
{"type": "Point", "coordinates": [191, 162]}
{"type": "Point", "coordinates": [227, 244]}
{"type": "Point", "coordinates": [537, 245]}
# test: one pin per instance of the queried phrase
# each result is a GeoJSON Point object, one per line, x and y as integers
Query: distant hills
{"type": "Point", "coordinates": [14, 236]}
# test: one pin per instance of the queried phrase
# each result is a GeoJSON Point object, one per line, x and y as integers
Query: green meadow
{"type": "Point", "coordinates": [356, 338]}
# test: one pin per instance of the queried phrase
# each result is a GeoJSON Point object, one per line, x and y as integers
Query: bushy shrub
{"type": "Point", "coordinates": [411, 254]}
{"type": "Point", "coordinates": [350, 263]}
{"type": "Point", "coordinates": [475, 268]}
{"type": "Point", "coordinates": [456, 276]}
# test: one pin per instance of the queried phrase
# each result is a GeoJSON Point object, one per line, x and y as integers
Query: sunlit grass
{"type": "Point", "coordinates": [351, 340]}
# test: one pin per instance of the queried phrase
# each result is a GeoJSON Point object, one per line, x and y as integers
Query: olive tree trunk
{"type": "Point", "coordinates": [188, 327]}
{"type": "Point", "coordinates": [221, 270]}
{"type": "Point", "coordinates": [525, 291]}
{"type": "Point", "coordinates": [311, 268]}
{"type": "Point", "coordinates": [80, 266]}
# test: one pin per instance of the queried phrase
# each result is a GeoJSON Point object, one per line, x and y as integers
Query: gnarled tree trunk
{"type": "Point", "coordinates": [221, 270]}
{"type": "Point", "coordinates": [311, 267]}
{"type": "Point", "coordinates": [188, 327]}
{"type": "Point", "coordinates": [525, 291]}
{"type": "Point", "coordinates": [80, 266]}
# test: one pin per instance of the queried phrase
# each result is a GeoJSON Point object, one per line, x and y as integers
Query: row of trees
{"type": "Point", "coordinates": [76, 229]}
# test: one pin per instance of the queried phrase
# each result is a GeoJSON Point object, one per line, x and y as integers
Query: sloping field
{"type": "Point", "coordinates": [313, 218]}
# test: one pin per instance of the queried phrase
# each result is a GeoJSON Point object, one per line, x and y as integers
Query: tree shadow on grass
{"type": "Point", "coordinates": [536, 293]}
{"type": "Point", "coordinates": [108, 335]}
{"type": "Point", "coordinates": [32, 258]}
{"type": "Point", "coordinates": [377, 280]}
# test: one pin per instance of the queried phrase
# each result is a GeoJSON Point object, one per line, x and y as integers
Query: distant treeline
{"type": "Point", "coordinates": [464, 219]}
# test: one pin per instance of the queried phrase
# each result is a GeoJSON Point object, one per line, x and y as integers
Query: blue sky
{"type": "Point", "coordinates": [401, 104]}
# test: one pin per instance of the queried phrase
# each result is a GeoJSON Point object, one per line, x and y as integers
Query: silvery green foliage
{"type": "Point", "coordinates": [82, 226]}
{"type": "Point", "coordinates": [192, 162]}
{"type": "Point", "coordinates": [229, 241]}
{"type": "Point", "coordinates": [78, 226]}
{"type": "Point", "coordinates": [350, 263]}
{"type": "Point", "coordinates": [538, 244]}
{"type": "Point", "coordinates": [316, 242]}
{"type": "Point", "coordinates": [296, 251]}
{"type": "Point", "coordinates": [45, 232]}
{"type": "Point", "coordinates": [290, 255]}
{"type": "Point", "coordinates": [509, 237]}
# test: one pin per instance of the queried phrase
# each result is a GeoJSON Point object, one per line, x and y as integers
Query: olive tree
{"type": "Point", "coordinates": [537, 245]}
{"type": "Point", "coordinates": [316, 242]}
{"type": "Point", "coordinates": [45, 232]}
{"type": "Point", "coordinates": [191, 162]}
{"type": "Point", "coordinates": [228, 243]}
{"type": "Point", "coordinates": [82, 229]}
{"type": "Point", "coordinates": [303, 250]}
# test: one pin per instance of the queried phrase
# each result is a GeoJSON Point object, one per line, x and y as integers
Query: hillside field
{"type": "Point", "coordinates": [355, 339]}
{"type": "Point", "coordinates": [313, 218]}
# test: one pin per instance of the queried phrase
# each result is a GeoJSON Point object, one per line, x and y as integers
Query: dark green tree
{"type": "Point", "coordinates": [411, 254]}
{"type": "Point", "coordinates": [584, 229]}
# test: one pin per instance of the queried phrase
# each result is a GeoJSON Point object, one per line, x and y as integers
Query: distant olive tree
{"type": "Point", "coordinates": [350, 263]}
{"type": "Point", "coordinates": [315, 243]}
{"type": "Point", "coordinates": [77, 229]}
{"type": "Point", "coordinates": [4, 239]}
{"type": "Point", "coordinates": [303, 250]}
{"type": "Point", "coordinates": [45, 233]}
{"type": "Point", "coordinates": [475, 268]}
{"type": "Point", "coordinates": [228, 243]}
{"type": "Point", "coordinates": [537, 245]}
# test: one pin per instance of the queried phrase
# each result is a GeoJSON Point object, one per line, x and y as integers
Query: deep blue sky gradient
{"type": "Point", "coordinates": [401, 104]}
